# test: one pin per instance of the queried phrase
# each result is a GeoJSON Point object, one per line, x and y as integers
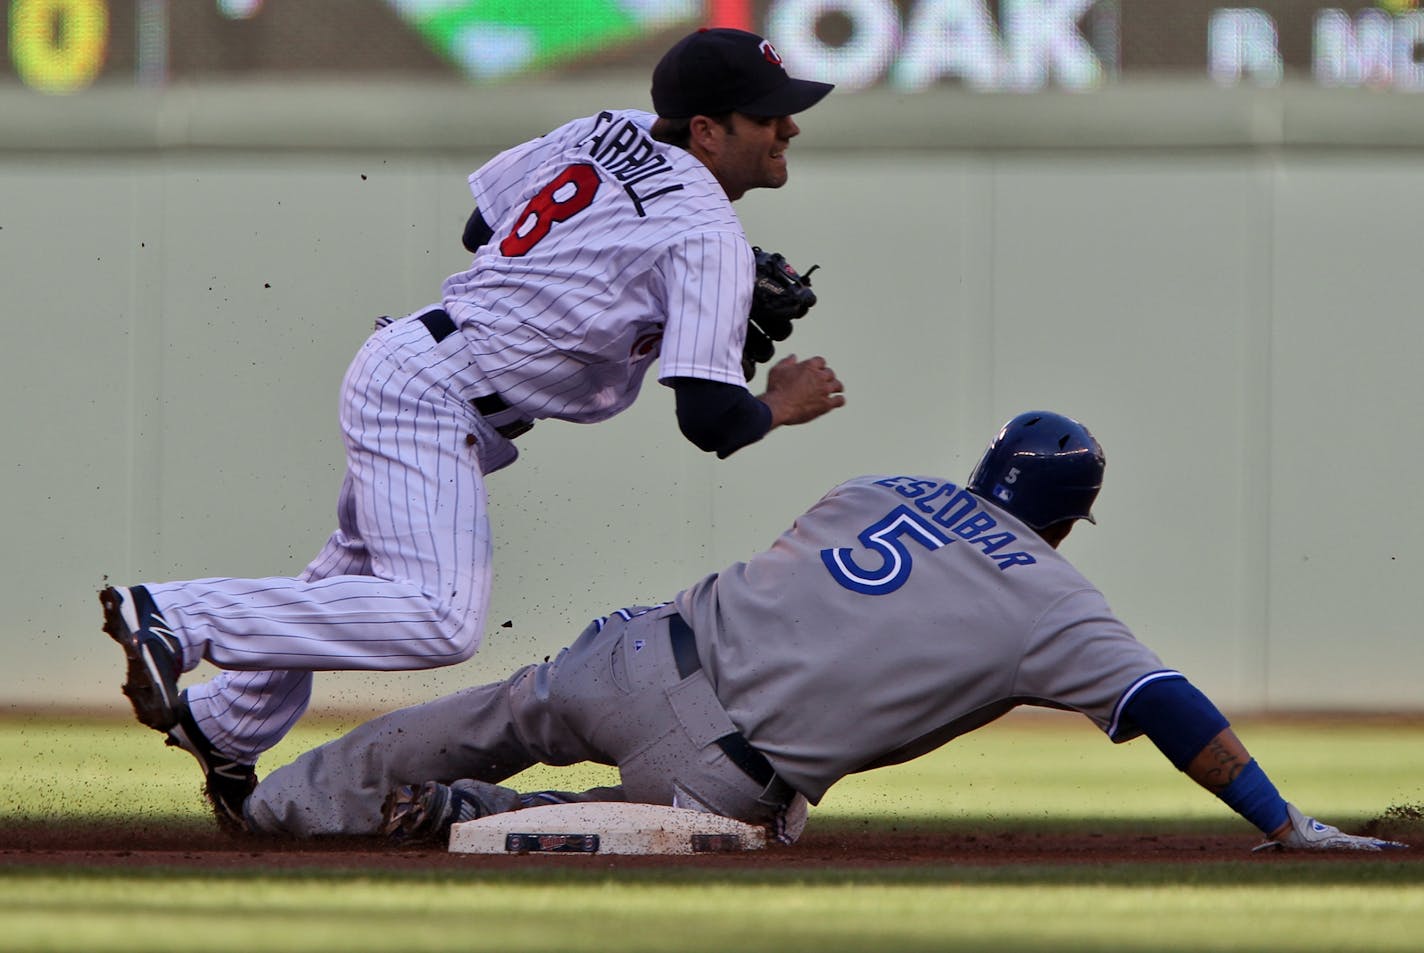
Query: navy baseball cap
{"type": "Point", "coordinates": [719, 70]}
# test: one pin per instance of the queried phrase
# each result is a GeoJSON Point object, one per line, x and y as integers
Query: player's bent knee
{"type": "Point", "coordinates": [442, 638]}
{"type": "Point", "coordinates": [459, 643]}
{"type": "Point", "coordinates": [465, 651]}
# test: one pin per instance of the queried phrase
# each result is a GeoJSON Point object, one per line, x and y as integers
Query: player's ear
{"type": "Point", "coordinates": [705, 135]}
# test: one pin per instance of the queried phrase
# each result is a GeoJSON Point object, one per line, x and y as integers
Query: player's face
{"type": "Point", "coordinates": [750, 152]}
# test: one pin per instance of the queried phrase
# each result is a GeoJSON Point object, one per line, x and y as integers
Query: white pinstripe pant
{"type": "Point", "coordinates": [402, 584]}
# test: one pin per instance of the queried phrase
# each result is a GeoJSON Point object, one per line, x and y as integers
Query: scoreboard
{"type": "Point", "coordinates": [67, 46]}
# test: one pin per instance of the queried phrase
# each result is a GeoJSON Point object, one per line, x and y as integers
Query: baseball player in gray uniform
{"type": "Point", "coordinates": [605, 245]}
{"type": "Point", "coordinates": [896, 614]}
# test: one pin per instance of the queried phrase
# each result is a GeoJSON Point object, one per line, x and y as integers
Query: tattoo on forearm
{"type": "Point", "coordinates": [1222, 765]}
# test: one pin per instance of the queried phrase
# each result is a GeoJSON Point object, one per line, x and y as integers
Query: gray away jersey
{"type": "Point", "coordinates": [609, 250]}
{"type": "Point", "coordinates": [899, 613]}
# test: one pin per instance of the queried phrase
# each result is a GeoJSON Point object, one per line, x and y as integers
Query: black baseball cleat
{"type": "Point", "coordinates": [424, 813]}
{"type": "Point", "coordinates": [155, 656]}
{"type": "Point", "coordinates": [420, 813]}
{"type": "Point", "coordinates": [227, 783]}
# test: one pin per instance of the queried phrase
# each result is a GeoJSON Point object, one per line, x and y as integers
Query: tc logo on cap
{"type": "Point", "coordinates": [720, 70]}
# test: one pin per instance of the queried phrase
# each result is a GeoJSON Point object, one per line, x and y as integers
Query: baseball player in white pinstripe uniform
{"type": "Point", "coordinates": [599, 248]}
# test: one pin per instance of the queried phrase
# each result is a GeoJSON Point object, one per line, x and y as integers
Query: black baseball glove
{"type": "Point", "coordinates": [779, 296]}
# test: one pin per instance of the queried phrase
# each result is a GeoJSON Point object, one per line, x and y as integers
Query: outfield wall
{"type": "Point", "coordinates": [1220, 283]}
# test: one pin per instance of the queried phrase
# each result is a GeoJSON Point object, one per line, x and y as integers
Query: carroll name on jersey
{"type": "Point", "coordinates": [626, 151]}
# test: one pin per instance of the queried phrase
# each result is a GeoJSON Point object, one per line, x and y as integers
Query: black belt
{"type": "Point", "coordinates": [735, 746]}
{"type": "Point", "coordinates": [440, 326]}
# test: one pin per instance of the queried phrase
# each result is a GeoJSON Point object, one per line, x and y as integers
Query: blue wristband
{"type": "Point", "coordinates": [1252, 795]}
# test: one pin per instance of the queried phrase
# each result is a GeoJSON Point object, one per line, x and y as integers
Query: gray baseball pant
{"type": "Point", "coordinates": [614, 697]}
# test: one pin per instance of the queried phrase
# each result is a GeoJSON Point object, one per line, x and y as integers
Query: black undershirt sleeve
{"type": "Point", "coordinates": [477, 232]}
{"type": "Point", "coordinates": [717, 417]}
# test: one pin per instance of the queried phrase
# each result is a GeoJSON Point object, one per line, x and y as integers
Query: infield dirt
{"type": "Point", "coordinates": [139, 846]}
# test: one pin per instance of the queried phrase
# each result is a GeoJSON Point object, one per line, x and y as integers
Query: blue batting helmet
{"type": "Point", "coordinates": [1043, 468]}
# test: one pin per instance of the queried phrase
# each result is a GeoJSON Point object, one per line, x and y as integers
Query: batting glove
{"type": "Point", "coordinates": [1306, 833]}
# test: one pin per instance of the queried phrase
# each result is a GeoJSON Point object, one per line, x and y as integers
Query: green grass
{"type": "Point", "coordinates": [1035, 772]}
{"type": "Point", "coordinates": [408, 914]}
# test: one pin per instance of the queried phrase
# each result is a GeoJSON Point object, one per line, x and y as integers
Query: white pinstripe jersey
{"type": "Point", "coordinates": [609, 250]}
